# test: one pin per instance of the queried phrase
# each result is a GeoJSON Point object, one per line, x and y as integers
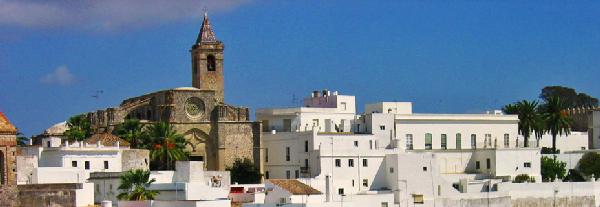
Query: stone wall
{"type": "Point", "coordinates": [135, 159]}
{"type": "Point", "coordinates": [236, 140]}
{"type": "Point", "coordinates": [574, 201]}
{"type": "Point", "coordinates": [8, 151]}
{"type": "Point", "coordinates": [52, 195]}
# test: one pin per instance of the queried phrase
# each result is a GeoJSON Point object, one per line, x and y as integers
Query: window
{"type": "Point", "coordinates": [305, 162]}
{"type": "Point", "coordinates": [488, 140]}
{"type": "Point", "coordinates": [506, 140]}
{"type": "Point", "coordinates": [458, 141]}
{"type": "Point", "coordinates": [391, 170]}
{"type": "Point", "coordinates": [382, 127]}
{"type": "Point", "coordinates": [477, 165]}
{"type": "Point", "coordinates": [265, 125]}
{"type": "Point", "coordinates": [473, 141]}
{"type": "Point", "coordinates": [409, 141]}
{"type": "Point", "coordinates": [488, 163]}
{"type": "Point", "coordinates": [384, 204]}
{"type": "Point", "coordinates": [315, 122]}
{"type": "Point", "coordinates": [340, 191]}
{"type": "Point", "coordinates": [444, 141]}
{"type": "Point", "coordinates": [105, 165]}
{"type": "Point", "coordinates": [48, 143]}
{"type": "Point", "coordinates": [365, 163]}
{"type": "Point", "coordinates": [287, 153]}
{"type": "Point", "coordinates": [211, 63]}
{"type": "Point", "coordinates": [282, 200]}
{"type": "Point", "coordinates": [305, 146]}
{"type": "Point", "coordinates": [418, 198]}
{"type": "Point", "coordinates": [287, 125]}
{"type": "Point", "coordinates": [287, 174]}
{"type": "Point", "coordinates": [73, 163]}
{"type": "Point", "coordinates": [428, 141]}
{"type": "Point", "coordinates": [296, 174]}
{"type": "Point", "coordinates": [87, 165]}
{"type": "Point", "coordinates": [356, 143]}
{"type": "Point", "coordinates": [266, 174]}
{"type": "Point", "coordinates": [266, 154]}
{"type": "Point", "coordinates": [338, 162]}
{"type": "Point", "coordinates": [370, 144]}
{"type": "Point", "coordinates": [352, 182]}
{"type": "Point", "coordinates": [351, 163]}
{"type": "Point", "coordinates": [424, 169]}
{"type": "Point", "coordinates": [527, 164]}
{"type": "Point", "coordinates": [343, 106]}
{"type": "Point", "coordinates": [365, 182]}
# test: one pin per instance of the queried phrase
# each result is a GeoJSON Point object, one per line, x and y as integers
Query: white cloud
{"type": "Point", "coordinates": [105, 14]}
{"type": "Point", "coordinates": [60, 76]}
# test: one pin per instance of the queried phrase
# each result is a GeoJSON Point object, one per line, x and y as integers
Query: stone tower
{"type": "Point", "coordinates": [8, 149]}
{"type": "Point", "coordinates": [207, 61]}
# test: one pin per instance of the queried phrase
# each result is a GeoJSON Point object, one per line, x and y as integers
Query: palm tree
{"type": "Point", "coordinates": [79, 128]}
{"type": "Point", "coordinates": [166, 145]}
{"type": "Point", "coordinates": [134, 184]}
{"type": "Point", "coordinates": [132, 131]}
{"type": "Point", "coordinates": [22, 140]}
{"type": "Point", "coordinates": [528, 117]}
{"type": "Point", "coordinates": [557, 121]}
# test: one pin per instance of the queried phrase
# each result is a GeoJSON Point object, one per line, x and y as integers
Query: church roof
{"type": "Point", "coordinates": [5, 125]}
{"type": "Point", "coordinates": [295, 187]}
{"type": "Point", "coordinates": [206, 33]}
{"type": "Point", "coordinates": [106, 139]}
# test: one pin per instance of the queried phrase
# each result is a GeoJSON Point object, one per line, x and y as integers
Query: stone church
{"type": "Point", "coordinates": [8, 148]}
{"type": "Point", "coordinates": [219, 133]}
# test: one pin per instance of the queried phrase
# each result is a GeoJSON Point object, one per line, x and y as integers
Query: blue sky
{"type": "Point", "coordinates": [458, 57]}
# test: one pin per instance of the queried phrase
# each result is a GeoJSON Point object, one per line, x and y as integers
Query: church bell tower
{"type": "Point", "coordinates": [207, 61]}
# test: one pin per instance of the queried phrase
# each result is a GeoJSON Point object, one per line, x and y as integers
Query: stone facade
{"type": "Point", "coordinates": [218, 133]}
{"type": "Point", "coordinates": [54, 195]}
{"type": "Point", "coordinates": [8, 150]}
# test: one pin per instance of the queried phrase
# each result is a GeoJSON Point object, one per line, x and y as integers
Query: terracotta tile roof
{"type": "Point", "coordinates": [295, 187]}
{"type": "Point", "coordinates": [6, 126]}
{"type": "Point", "coordinates": [106, 139]}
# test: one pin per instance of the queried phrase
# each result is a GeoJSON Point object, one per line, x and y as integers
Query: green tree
{"type": "Point", "coordinates": [529, 118]}
{"type": "Point", "coordinates": [132, 131]}
{"type": "Point", "coordinates": [589, 164]}
{"type": "Point", "coordinates": [552, 169]}
{"type": "Point", "coordinates": [570, 97]}
{"type": "Point", "coordinates": [244, 172]}
{"type": "Point", "coordinates": [166, 146]}
{"type": "Point", "coordinates": [557, 121]}
{"type": "Point", "coordinates": [134, 184]}
{"type": "Point", "coordinates": [79, 128]}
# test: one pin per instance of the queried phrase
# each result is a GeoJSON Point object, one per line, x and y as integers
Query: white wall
{"type": "Point", "coordinates": [574, 141]}
{"type": "Point", "coordinates": [389, 107]}
{"type": "Point", "coordinates": [594, 129]}
{"type": "Point", "coordinates": [418, 125]}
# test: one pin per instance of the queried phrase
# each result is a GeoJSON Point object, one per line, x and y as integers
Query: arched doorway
{"type": "Point", "coordinates": [198, 145]}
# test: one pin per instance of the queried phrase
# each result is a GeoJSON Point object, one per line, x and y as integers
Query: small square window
{"type": "Point", "coordinates": [527, 164]}
{"type": "Point", "coordinates": [338, 162]}
{"type": "Point", "coordinates": [350, 162]}
{"type": "Point", "coordinates": [365, 183]}
{"type": "Point", "coordinates": [356, 143]}
{"type": "Point", "coordinates": [391, 170]}
{"type": "Point", "coordinates": [382, 127]}
{"type": "Point", "coordinates": [340, 191]}
{"type": "Point", "coordinates": [424, 169]}
{"type": "Point", "coordinates": [73, 163]}
{"type": "Point", "coordinates": [87, 165]}
{"type": "Point", "coordinates": [365, 163]}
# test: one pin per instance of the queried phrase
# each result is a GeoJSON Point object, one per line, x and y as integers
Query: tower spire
{"type": "Point", "coordinates": [206, 34]}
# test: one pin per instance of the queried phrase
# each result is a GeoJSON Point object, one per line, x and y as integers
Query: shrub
{"type": "Point", "coordinates": [589, 164]}
{"type": "Point", "coordinates": [523, 178]}
{"type": "Point", "coordinates": [552, 169]}
{"type": "Point", "coordinates": [244, 172]}
{"type": "Point", "coordinates": [548, 150]}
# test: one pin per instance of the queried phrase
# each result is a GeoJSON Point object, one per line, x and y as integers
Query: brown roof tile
{"type": "Point", "coordinates": [6, 126]}
{"type": "Point", "coordinates": [295, 187]}
{"type": "Point", "coordinates": [106, 139]}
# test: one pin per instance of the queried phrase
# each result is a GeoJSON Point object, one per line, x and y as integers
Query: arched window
{"type": "Point", "coordinates": [211, 63]}
{"type": "Point", "coordinates": [473, 141]}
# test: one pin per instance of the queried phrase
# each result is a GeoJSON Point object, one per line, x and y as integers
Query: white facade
{"type": "Point", "coordinates": [594, 129]}
{"type": "Point", "coordinates": [329, 113]}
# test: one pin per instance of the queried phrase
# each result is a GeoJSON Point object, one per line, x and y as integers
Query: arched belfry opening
{"type": "Point", "coordinates": [211, 63]}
